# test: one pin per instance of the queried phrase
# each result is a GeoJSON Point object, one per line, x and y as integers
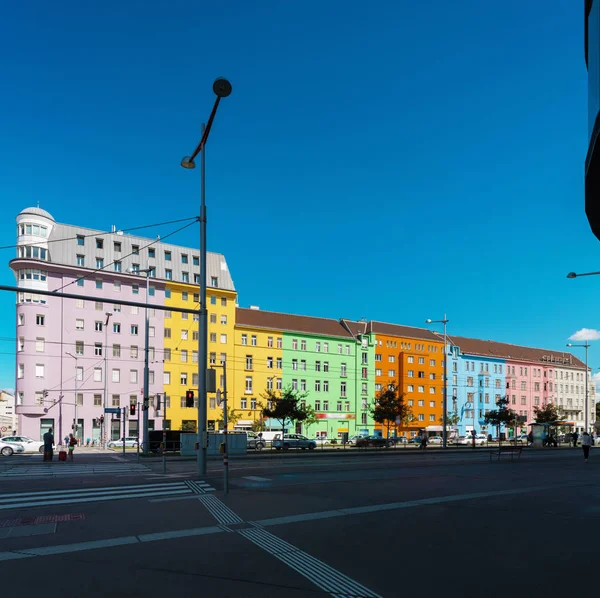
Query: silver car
{"type": "Point", "coordinates": [7, 449]}
{"type": "Point", "coordinates": [130, 441]}
{"type": "Point", "coordinates": [295, 441]}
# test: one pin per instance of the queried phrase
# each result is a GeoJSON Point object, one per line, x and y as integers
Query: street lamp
{"type": "Point", "coordinates": [576, 275]}
{"type": "Point", "coordinates": [222, 88]}
{"type": "Point", "coordinates": [145, 405]}
{"type": "Point", "coordinates": [445, 397]}
{"type": "Point", "coordinates": [108, 315]}
{"type": "Point", "coordinates": [586, 346]}
{"type": "Point", "coordinates": [75, 428]}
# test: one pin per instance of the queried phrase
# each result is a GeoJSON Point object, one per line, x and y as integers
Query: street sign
{"type": "Point", "coordinates": [219, 398]}
{"type": "Point", "coordinates": [112, 410]}
{"type": "Point", "coordinates": [3, 428]}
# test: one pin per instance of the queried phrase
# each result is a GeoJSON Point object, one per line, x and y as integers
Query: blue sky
{"type": "Point", "coordinates": [394, 160]}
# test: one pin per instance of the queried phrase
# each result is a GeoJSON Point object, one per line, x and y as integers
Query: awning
{"type": "Point", "coordinates": [244, 422]}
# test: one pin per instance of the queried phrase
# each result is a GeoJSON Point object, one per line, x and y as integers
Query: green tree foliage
{"type": "Point", "coordinates": [285, 406]}
{"type": "Point", "coordinates": [389, 406]}
{"type": "Point", "coordinates": [501, 416]}
{"type": "Point", "coordinates": [232, 418]}
{"type": "Point", "coordinates": [547, 413]}
{"type": "Point", "coordinates": [311, 417]}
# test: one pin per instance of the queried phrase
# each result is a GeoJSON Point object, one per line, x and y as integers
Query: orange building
{"type": "Point", "coordinates": [413, 359]}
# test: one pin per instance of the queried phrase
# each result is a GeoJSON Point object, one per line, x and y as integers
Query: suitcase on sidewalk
{"type": "Point", "coordinates": [62, 456]}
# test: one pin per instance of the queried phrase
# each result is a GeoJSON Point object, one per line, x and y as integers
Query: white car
{"type": "Point", "coordinates": [29, 445]}
{"type": "Point", "coordinates": [130, 441]}
{"type": "Point", "coordinates": [7, 449]}
{"type": "Point", "coordinates": [480, 440]}
{"type": "Point", "coordinates": [435, 440]}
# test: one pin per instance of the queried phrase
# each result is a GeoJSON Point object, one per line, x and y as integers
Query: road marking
{"type": "Point", "coordinates": [102, 494]}
{"type": "Point", "coordinates": [183, 533]}
{"type": "Point", "coordinates": [220, 511]}
{"type": "Point", "coordinates": [319, 573]}
{"type": "Point", "coordinates": [256, 478]}
{"type": "Point", "coordinates": [67, 469]}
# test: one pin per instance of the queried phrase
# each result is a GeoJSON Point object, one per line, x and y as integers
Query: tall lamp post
{"type": "Point", "coordinates": [108, 315]}
{"type": "Point", "coordinates": [222, 89]}
{"type": "Point", "coordinates": [75, 424]}
{"type": "Point", "coordinates": [587, 414]}
{"type": "Point", "coordinates": [445, 397]}
{"type": "Point", "coordinates": [145, 404]}
{"type": "Point", "coordinates": [586, 346]}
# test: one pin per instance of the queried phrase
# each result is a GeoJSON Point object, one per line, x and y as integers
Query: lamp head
{"type": "Point", "coordinates": [222, 87]}
{"type": "Point", "coordinates": [428, 321]}
{"type": "Point", "coordinates": [569, 344]}
{"type": "Point", "coordinates": [187, 162]}
{"type": "Point", "coordinates": [571, 275]}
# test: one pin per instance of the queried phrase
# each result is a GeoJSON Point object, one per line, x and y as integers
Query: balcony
{"type": "Point", "coordinates": [31, 410]}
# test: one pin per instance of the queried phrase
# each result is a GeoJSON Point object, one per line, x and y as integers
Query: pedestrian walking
{"type": "Point", "coordinates": [586, 443]}
{"type": "Point", "coordinates": [423, 442]}
{"type": "Point", "coordinates": [575, 437]}
{"type": "Point", "coordinates": [48, 442]}
{"type": "Point", "coordinates": [72, 444]}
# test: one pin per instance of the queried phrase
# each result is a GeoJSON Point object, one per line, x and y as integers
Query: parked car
{"type": "Point", "coordinates": [29, 445]}
{"type": "Point", "coordinates": [480, 440]}
{"type": "Point", "coordinates": [130, 441]}
{"type": "Point", "coordinates": [322, 440]}
{"type": "Point", "coordinates": [8, 448]}
{"type": "Point", "coordinates": [398, 440]}
{"type": "Point", "coordinates": [435, 440]}
{"type": "Point", "coordinates": [354, 439]}
{"type": "Point", "coordinates": [255, 442]}
{"type": "Point", "coordinates": [294, 441]}
{"type": "Point", "coordinates": [371, 441]}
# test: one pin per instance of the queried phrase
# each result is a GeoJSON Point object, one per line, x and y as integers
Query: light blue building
{"type": "Point", "coordinates": [476, 381]}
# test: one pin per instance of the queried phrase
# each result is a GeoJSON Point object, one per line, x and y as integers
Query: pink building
{"type": "Point", "coordinates": [77, 351]}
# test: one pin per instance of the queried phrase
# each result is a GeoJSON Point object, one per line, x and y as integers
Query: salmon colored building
{"type": "Point", "coordinates": [413, 359]}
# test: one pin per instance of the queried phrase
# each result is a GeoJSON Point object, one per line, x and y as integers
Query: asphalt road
{"type": "Point", "coordinates": [368, 525]}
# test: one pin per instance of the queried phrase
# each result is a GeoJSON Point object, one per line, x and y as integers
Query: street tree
{"type": "Point", "coordinates": [547, 413]}
{"type": "Point", "coordinates": [232, 418]}
{"type": "Point", "coordinates": [389, 408]}
{"type": "Point", "coordinates": [503, 416]}
{"type": "Point", "coordinates": [311, 417]}
{"type": "Point", "coordinates": [284, 406]}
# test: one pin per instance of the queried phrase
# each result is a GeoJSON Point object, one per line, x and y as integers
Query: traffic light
{"type": "Point", "coordinates": [189, 398]}
{"type": "Point", "coordinates": [132, 409]}
{"type": "Point", "coordinates": [101, 419]}
{"type": "Point", "coordinates": [157, 403]}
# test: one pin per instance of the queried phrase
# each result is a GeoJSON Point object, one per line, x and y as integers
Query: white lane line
{"type": "Point", "coordinates": [64, 548]}
{"type": "Point", "coordinates": [70, 491]}
{"type": "Point", "coordinates": [184, 533]}
{"type": "Point", "coordinates": [319, 573]}
{"type": "Point", "coordinates": [256, 478]}
{"type": "Point", "coordinates": [396, 505]}
{"type": "Point", "coordinates": [220, 511]}
{"type": "Point", "coordinates": [74, 500]}
{"type": "Point", "coordinates": [171, 498]}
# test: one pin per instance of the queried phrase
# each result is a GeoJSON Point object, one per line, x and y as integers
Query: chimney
{"type": "Point", "coordinates": [255, 307]}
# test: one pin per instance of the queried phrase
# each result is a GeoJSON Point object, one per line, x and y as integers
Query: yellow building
{"type": "Point", "coordinates": [257, 364]}
{"type": "Point", "coordinates": [181, 342]}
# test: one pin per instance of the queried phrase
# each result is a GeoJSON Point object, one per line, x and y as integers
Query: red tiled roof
{"type": "Point", "coordinates": [403, 331]}
{"type": "Point", "coordinates": [289, 322]}
{"type": "Point", "coordinates": [490, 348]}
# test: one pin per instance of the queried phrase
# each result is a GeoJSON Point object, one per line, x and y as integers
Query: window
{"type": "Point", "coordinates": [325, 385]}
{"type": "Point", "coordinates": [98, 326]}
{"type": "Point", "coordinates": [195, 335]}
{"type": "Point", "coordinates": [279, 342]}
{"type": "Point", "coordinates": [347, 349]}
{"type": "Point", "coordinates": [98, 349]}
{"type": "Point", "coordinates": [325, 405]}
{"type": "Point", "coordinates": [40, 345]}
{"type": "Point", "coordinates": [97, 374]}
{"type": "Point", "coordinates": [80, 240]}
{"type": "Point", "coordinates": [224, 339]}
{"type": "Point", "coordinates": [420, 389]}
{"type": "Point", "coordinates": [253, 340]}
{"type": "Point", "coordinates": [248, 362]}
{"type": "Point", "coordinates": [184, 356]}
{"type": "Point", "coordinates": [294, 343]}
{"type": "Point", "coordinates": [269, 363]}
{"type": "Point", "coordinates": [214, 281]}
{"type": "Point", "coordinates": [342, 389]}
{"type": "Point", "coordinates": [116, 327]}
{"type": "Point", "coordinates": [116, 375]}
{"type": "Point", "coordinates": [343, 369]}
{"type": "Point", "coordinates": [432, 390]}
{"type": "Point", "coordinates": [279, 363]}
{"type": "Point", "coordinates": [364, 388]}
{"type": "Point", "coordinates": [391, 373]}
{"type": "Point", "coordinates": [213, 300]}
{"type": "Point", "coordinates": [248, 384]}
{"type": "Point", "coordinates": [40, 320]}
{"type": "Point", "coordinates": [135, 310]}
{"type": "Point", "coordinates": [133, 376]}
{"type": "Point", "coordinates": [410, 359]}
{"type": "Point", "coordinates": [183, 379]}
{"type": "Point", "coordinates": [294, 364]}
{"type": "Point", "coordinates": [134, 329]}
{"type": "Point", "coordinates": [317, 386]}
{"type": "Point", "coordinates": [21, 319]}
{"type": "Point", "coordinates": [421, 417]}
{"type": "Point", "coordinates": [318, 347]}
{"type": "Point", "coordinates": [151, 331]}
{"type": "Point", "coordinates": [117, 286]}
{"type": "Point", "coordinates": [185, 277]}
{"type": "Point", "coordinates": [302, 345]}
{"type": "Point", "coordinates": [135, 249]}
{"type": "Point", "coordinates": [317, 366]}
{"type": "Point", "coordinates": [21, 371]}
{"type": "Point", "coordinates": [223, 319]}
{"type": "Point", "coordinates": [133, 352]}
{"type": "Point", "coordinates": [410, 373]}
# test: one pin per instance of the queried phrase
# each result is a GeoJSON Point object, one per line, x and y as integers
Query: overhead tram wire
{"type": "Point", "coordinates": [103, 269]}
{"type": "Point", "coordinates": [101, 233]}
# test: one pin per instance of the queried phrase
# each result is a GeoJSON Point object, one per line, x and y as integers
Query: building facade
{"type": "Point", "coordinates": [88, 354]}
{"type": "Point", "coordinates": [8, 414]}
{"type": "Point", "coordinates": [413, 360]}
{"type": "Point", "coordinates": [257, 366]}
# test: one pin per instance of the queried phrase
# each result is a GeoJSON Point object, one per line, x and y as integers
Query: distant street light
{"type": "Point", "coordinates": [445, 397]}
{"type": "Point", "coordinates": [586, 346]}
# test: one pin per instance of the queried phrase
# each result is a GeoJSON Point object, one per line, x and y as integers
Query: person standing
{"type": "Point", "coordinates": [575, 437]}
{"type": "Point", "coordinates": [71, 446]}
{"type": "Point", "coordinates": [586, 443]}
{"type": "Point", "coordinates": [48, 443]}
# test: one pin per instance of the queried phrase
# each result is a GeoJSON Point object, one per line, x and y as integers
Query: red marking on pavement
{"type": "Point", "coordinates": [41, 519]}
